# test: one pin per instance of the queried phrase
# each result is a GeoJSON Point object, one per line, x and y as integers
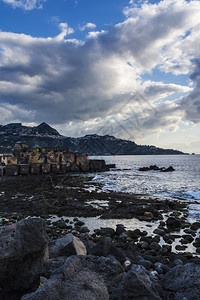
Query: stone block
{"type": "Point", "coordinates": [81, 158]}
{"type": "Point", "coordinates": [2, 168]}
{"type": "Point", "coordinates": [24, 169]}
{"type": "Point", "coordinates": [55, 168]}
{"type": "Point", "coordinates": [12, 170]}
{"type": "Point", "coordinates": [35, 169]}
{"type": "Point", "coordinates": [97, 165]}
{"type": "Point", "coordinates": [65, 168]}
{"type": "Point", "coordinates": [85, 167]}
{"type": "Point", "coordinates": [68, 157]}
{"type": "Point", "coordinates": [75, 167]}
{"type": "Point", "coordinates": [45, 168]}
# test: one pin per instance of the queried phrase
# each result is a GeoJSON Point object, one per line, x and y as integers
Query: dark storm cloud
{"type": "Point", "coordinates": [190, 105]}
{"type": "Point", "coordinates": [59, 80]}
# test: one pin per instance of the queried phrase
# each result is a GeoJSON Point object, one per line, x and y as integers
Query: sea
{"type": "Point", "coordinates": [182, 184]}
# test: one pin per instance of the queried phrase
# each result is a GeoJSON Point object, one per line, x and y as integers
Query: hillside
{"type": "Point", "coordinates": [44, 135]}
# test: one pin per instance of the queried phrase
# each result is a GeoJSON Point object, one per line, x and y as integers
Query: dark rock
{"type": "Point", "coordinates": [84, 229]}
{"type": "Point", "coordinates": [160, 232]}
{"type": "Point", "coordinates": [144, 245]}
{"type": "Point", "coordinates": [186, 239]}
{"type": "Point", "coordinates": [132, 234]}
{"type": "Point", "coordinates": [73, 281]}
{"type": "Point", "coordinates": [134, 285]}
{"type": "Point", "coordinates": [23, 251]}
{"type": "Point", "coordinates": [78, 222]}
{"type": "Point", "coordinates": [51, 265]}
{"type": "Point", "coordinates": [177, 262]}
{"type": "Point", "coordinates": [169, 169]}
{"type": "Point", "coordinates": [145, 263]}
{"type": "Point", "coordinates": [183, 282]}
{"type": "Point", "coordinates": [195, 226]}
{"type": "Point", "coordinates": [173, 223]}
{"type": "Point", "coordinates": [155, 246]}
{"type": "Point", "coordinates": [66, 246]}
{"type": "Point", "coordinates": [180, 248]}
{"type": "Point", "coordinates": [105, 247]}
{"type": "Point", "coordinates": [190, 231]}
{"type": "Point", "coordinates": [107, 231]}
{"type": "Point", "coordinates": [168, 237]}
{"type": "Point", "coordinates": [120, 229]}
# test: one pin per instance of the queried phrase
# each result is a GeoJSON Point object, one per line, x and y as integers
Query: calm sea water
{"type": "Point", "coordinates": [183, 183]}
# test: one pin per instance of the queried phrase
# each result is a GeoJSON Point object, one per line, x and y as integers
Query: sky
{"type": "Point", "coordinates": [121, 67]}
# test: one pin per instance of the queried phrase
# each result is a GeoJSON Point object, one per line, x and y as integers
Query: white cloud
{"type": "Point", "coordinates": [88, 26]}
{"type": "Point", "coordinates": [99, 81]}
{"type": "Point", "coordinates": [65, 30]}
{"type": "Point", "coordinates": [25, 4]}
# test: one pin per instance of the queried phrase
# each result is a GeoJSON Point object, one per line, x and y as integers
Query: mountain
{"type": "Point", "coordinates": [44, 135]}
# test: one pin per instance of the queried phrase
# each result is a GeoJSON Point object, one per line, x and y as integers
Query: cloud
{"type": "Point", "coordinates": [88, 26]}
{"type": "Point", "coordinates": [190, 104]}
{"type": "Point", "coordinates": [84, 85]}
{"type": "Point", "coordinates": [25, 4]}
{"type": "Point", "coordinates": [65, 30]}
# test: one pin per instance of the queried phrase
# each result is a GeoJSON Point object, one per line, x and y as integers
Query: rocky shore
{"type": "Point", "coordinates": [46, 258]}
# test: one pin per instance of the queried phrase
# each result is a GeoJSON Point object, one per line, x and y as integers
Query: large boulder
{"type": "Point", "coordinates": [80, 278]}
{"type": "Point", "coordinates": [136, 284]}
{"type": "Point", "coordinates": [24, 248]}
{"type": "Point", "coordinates": [173, 223]}
{"type": "Point", "coordinates": [66, 246]}
{"type": "Point", "coordinates": [183, 282]}
{"type": "Point", "coordinates": [106, 247]}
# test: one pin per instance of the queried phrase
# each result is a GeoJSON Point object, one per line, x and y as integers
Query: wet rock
{"type": "Point", "coordinates": [107, 231]}
{"type": "Point", "coordinates": [51, 265]}
{"type": "Point", "coordinates": [120, 229]}
{"type": "Point", "coordinates": [155, 246]}
{"type": "Point", "coordinates": [156, 168]}
{"type": "Point", "coordinates": [168, 238]}
{"type": "Point", "coordinates": [160, 232]}
{"type": "Point", "coordinates": [190, 231]}
{"type": "Point", "coordinates": [145, 263]}
{"type": "Point", "coordinates": [73, 281]}
{"type": "Point", "coordinates": [177, 262]}
{"type": "Point", "coordinates": [169, 169]}
{"type": "Point", "coordinates": [173, 223]}
{"type": "Point", "coordinates": [195, 226]}
{"type": "Point", "coordinates": [180, 248]}
{"type": "Point", "coordinates": [135, 284]}
{"type": "Point", "coordinates": [186, 239]}
{"type": "Point", "coordinates": [105, 247]}
{"type": "Point", "coordinates": [66, 246]}
{"type": "Point", "coordinates": [196, 242]}
{"type": "Point", "coordinates": [144, 245]}
{"type": "Point", "coordinates": [84, 229]}
{"type": "Point", "coordinates": [183, 282]}
{"type": "Point", "coordinates": [23, 251]}
{"type": "Point", "coordinates": [78, 222]}
{"type": "Point", "coordinates": [132, 234]}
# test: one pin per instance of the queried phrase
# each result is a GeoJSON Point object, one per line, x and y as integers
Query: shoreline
{"type": "Point", "coordinates": [48, 220]}
{"type": "Point", "coordinates": [76, 196]}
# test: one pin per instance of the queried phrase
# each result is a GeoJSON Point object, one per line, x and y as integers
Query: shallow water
{"type": "Point", "coordinates": [183, 183]}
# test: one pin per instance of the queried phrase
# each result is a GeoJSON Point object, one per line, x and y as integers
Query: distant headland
{"type": "Point", "coordinates": [44, 135]}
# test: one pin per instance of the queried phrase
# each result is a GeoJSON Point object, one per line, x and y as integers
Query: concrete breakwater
{"type": "Point", "coordinates": [26, 160]}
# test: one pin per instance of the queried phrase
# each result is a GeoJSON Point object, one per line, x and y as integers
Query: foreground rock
{"type": "Point", "coordinates": [135, 284]}
{"type": "Point", "coordinates": [23, 250]}
{"type": "Point", "coordinates": [80, 278]}
{"type": "Point", "coordinates": [183, 282]}
{"type": "Point", "coordinates": [66, 246]}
